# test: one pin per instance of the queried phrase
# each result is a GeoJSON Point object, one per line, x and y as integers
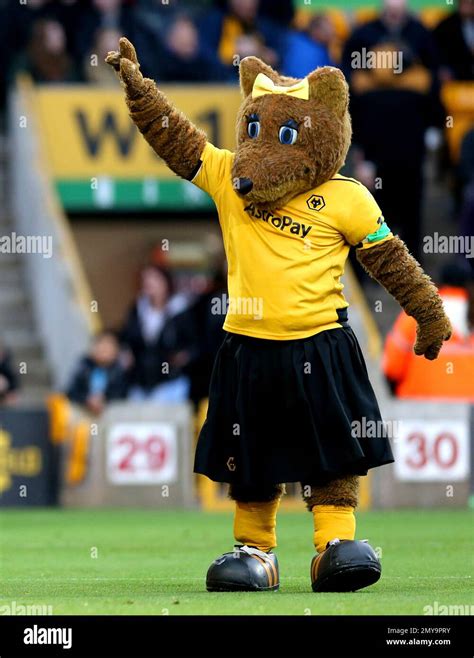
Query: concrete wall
{"type": "Point", "coordinates": [98, 489]}
{"type": "Point", "coordinates": [388, 490]}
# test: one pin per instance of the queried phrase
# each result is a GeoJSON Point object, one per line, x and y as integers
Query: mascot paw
{"type": "Point", "coordinates": [125, 62]}
{"type": "Point", "coordinates": [246, 569]}
{"type": "Point", "coordinates": [345, 566]}
{"type": "Point", "coordinates": [430, 338]}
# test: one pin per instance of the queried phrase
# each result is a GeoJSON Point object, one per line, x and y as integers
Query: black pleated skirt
{"type": "Point", "coordinates": [291, 411]}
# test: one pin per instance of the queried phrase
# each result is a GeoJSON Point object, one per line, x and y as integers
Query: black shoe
{"type": "Point", "coordinates": [344, 567]}
{"type": "Point", "coordinates": [246, 569]}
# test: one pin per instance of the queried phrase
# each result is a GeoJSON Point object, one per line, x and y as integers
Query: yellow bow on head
{"type": "Point", "coordinates": [263, 85]}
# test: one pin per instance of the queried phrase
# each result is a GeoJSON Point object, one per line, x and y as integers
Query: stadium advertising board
{"type": "Point", "coordinates": [142, 453]}
{"type": "Point", "coordinates": [98, 158]}
{"type": "Point", "coordinates": [28, 465]}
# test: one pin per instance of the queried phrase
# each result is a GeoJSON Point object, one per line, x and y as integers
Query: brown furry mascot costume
{"type": "Point", "coordinates": [289, 379]}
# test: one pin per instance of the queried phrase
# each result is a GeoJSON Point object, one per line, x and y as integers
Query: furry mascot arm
{"type": "Point", "coordinates": [171, 135]}
{"type": "Point", "coordinates": [392, 265]}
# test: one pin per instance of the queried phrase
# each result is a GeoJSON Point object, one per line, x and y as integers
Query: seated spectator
{"type": "Point", "coordinates": [466, 221]}
{"type": "Point", "coordinates": [8, 380]}
{"type": "Point", "coordinates": [147, 30]}
{"type": "Point", "coordinates": [281, 12]}
{"type": "Point", "coordinates": [466, 160]}
{"type": "Point", "coordinates": [150, 334]}
{"type": "Point", "coordinates": [223, 32]}
{"type": "Point", "coordinates": [200, 332]}
{"type": "Point", "coordinates": [46, 58]}
{"type": "Point", "coordinates": [454, 37]}
{"type": "Point", "coordinates": [466, 189]}
{"type": "Point", "coordinates": [16, 27]}
{"type": "Point", "coordinates": [396, 87]}
{"type": "Point", "coordinates": [100, 14]}
{"type": "Point", "coordinates": [251, 44]}
{"type": "Point", "coordinates": [94, 68]}
{"type": "Point", "coordinates": [310, 49]}
{"type": "Point", "coordinates": [100, 376]}
{"type": "Point", "coordinates": [450, 375]}
{"type": "Point", "coordinates": [18, 18]}
{"type": "Point", "coordinates": [183, 59]}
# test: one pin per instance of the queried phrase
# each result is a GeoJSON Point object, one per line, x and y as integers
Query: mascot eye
{"type": "Point", "coordinates": [253, 129]}
{"type": "Point", "coordinates": [288, 135]}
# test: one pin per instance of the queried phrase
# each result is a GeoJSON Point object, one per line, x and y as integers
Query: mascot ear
{"type": "Point", "coordinates": [249, 68]}
{"type": "Point", "coordinates": [328, 85]}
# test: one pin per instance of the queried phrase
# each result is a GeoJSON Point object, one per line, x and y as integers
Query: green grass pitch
{"type": "Point", "coordinates": [154, 563]}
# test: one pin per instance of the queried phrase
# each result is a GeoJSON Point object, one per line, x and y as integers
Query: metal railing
{"type": "Point", "coordinates": [60, 294]}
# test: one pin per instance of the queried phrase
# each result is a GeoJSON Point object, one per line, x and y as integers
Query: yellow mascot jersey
{"type": "Point", "coordinates": [285, 267]}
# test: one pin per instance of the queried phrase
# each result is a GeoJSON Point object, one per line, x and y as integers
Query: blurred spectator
{"type": "Point", "coordinates": [18, 19]}
{"type": "Point", "coordinates": [239, 31]}
{"type": "Point", "coordinates": [466, 184]}
{"type": "Point", "coordinates": [175, 6]}
{"type": "Point", "coordinates": [100, 377]}
{"type": "Point", "coordinates": [280, 12]}
{"type": "Point", "coordinates": [66, 12]}
{"type": "Point", "coordinates": [101, 14]}
{"type": "Point", "coordinates": [466, 160]}
{"type": "Point", "coordinates": [455, 40]}
{"type": "Point", "coordinates": [150, 334]}
{"type": "Point", "coordinates": [183, 59]}
{"type": "Point", "coordinates": [94, 68]}
{"type": "Point", "coordinates": [46, 58]}
{"type": "Point", "coordinates": [200, 328]}
{"type": "Point", "coordinates": [148, 28]}
{"type": "Point", "coordinates": [466, 220]}
{"type": "Point", "coordinates": [451, 374]}
{"type": "Point", "coordinates": [310, 49]}
{"type": "Point", "coordinates": [8, 380]}
{"type": "Point", "coordinates": [391, 65]}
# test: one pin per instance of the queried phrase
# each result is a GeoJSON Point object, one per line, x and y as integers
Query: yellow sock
{"type": "Point", "coordinates": [331, 522]}
{"type": "Point", "coordinates": [255, 523]}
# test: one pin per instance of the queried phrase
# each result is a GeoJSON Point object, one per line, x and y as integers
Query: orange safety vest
{"type": "Point", "coordinates": [450, 376]}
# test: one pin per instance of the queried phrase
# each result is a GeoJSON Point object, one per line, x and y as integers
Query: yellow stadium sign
{"type": "Point", "coordinates": [25, 461]}
{"type": "Point", "coordinates": [88, 132]}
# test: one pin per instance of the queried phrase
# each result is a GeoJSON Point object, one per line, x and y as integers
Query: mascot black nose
{"type": "Point", "coordinates": [245, 186]}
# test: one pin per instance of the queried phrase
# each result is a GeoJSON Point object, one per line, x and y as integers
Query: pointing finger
{"type": "Point", "coordinates": [127, 50]}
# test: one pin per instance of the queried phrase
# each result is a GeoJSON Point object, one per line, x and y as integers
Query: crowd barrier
{"type": "Point", "coordinates": [140, 455]}
{"type": "Point", "coordinates": [433, 445]}
{"type": "Point", "coordinates": [133, 455]}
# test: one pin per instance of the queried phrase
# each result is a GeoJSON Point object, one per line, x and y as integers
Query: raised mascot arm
{"type": "Point", "coordinates": [168, 131]}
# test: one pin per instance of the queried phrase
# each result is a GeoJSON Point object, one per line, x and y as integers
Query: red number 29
{"type": "Point", "coordinates": [154, 448]}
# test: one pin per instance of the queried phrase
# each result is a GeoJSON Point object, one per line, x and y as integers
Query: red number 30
{"type": "Point", "coordinates": [422, 456]}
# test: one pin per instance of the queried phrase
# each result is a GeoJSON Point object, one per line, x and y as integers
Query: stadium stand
{"type": "Point", "coordinates": [58, 289]}
{"type": "Point", "coordinates": [17, 327]}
